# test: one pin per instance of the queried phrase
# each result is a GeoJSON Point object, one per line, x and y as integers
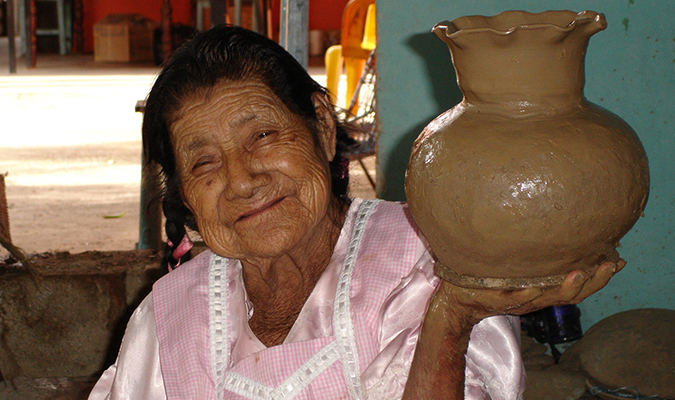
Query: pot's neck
{"type": "Point", "coordinates": [523, 106]}
{"type": "Point", "coordinates": [521, 60]}
{"type": "Point", "coordinates": [552, 79]}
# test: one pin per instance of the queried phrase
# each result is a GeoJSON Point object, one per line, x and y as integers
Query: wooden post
{"type": "Point", "coordinates": [78, 27]}
{"type": "Point", "coordinates": [150, 218]}
{"type": "Point", "coordinates": [218, 12]}
{"type": "Point", "coordinates": [294, 27]}
{"type": "Point", "coordinates": [31, 52]}
{"type": "Point", "coordinates": [167, 42]}
{"type": "Point", "coordinates": [4, 213]}
{"type": "Point", "coordinates": [6, 240]}
{"type": "Point", "coordinates": [258, 16]}
{"type": "Point", "coordinates": [10, 36]}
{"type": "Point", "coordinates": [268, 19]}
{"type": "Point", "coordinates": [237, 12]}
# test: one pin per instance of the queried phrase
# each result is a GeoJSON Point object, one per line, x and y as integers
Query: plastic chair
{"type": "Point", "coordinates": [357, 41]}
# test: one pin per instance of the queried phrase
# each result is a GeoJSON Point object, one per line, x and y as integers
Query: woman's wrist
{"type": "Point", "coordinates": [438, 367]}
{"type": "Point", "coordinates": [447, 326]}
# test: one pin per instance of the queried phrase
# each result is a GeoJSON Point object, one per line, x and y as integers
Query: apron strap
{"type": "Point", "coordinates": [342, 319]}
{"type": "Point", "coordinates": [218, 324]}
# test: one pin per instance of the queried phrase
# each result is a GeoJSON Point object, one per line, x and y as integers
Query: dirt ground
{"type": "Point", "coordinates": [71, 148]}
{"type": "Point", "coordinates": [83, 197]}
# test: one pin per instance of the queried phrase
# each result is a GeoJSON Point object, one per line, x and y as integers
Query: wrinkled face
{"type": "Point", "coordinates": [254, 176]}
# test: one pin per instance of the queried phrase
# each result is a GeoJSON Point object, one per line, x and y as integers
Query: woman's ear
{"type": "Point", "coordinates": [327, 125]}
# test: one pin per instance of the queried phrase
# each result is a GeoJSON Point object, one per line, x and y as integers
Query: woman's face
{"type": "Point", "coordinates": [254, 176]}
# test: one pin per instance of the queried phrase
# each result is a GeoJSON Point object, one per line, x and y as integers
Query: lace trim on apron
{"type": "Point", "coordinates": [342, 317]}
{"type": "Point", "coordinates": [292, 386]}
{"type": "Point", "coordinates": [218, 327]}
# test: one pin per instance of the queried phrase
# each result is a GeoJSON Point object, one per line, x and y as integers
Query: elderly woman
{"type": "Point", "coordinates": [304, 292]}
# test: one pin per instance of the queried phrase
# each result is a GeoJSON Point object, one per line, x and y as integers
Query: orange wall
{"type": "Point", "coordinates": [326, 14]}
{"type": "Point", "coordinates": [96, 10]}
{"type": "Point", "coordinates": [323, 14]}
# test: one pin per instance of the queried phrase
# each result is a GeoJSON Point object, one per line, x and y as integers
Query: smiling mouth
{"type": "Point", "coordinates": [260, 209]}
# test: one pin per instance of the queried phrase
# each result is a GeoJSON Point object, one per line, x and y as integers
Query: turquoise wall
{"type": "Point", "coordinates": [630, 70]}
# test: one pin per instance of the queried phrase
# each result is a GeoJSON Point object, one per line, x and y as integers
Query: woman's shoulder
{"type": "Point", "coordinates": [393, 218]}
{"type": "Point", "coordinates": [188, 275]}
{"type": "Point", "coordinates": [396, 206]}
{"type": "Point", "coordinates": [381, 207]}
{"type": "Point", "coordinates": [391, 241]}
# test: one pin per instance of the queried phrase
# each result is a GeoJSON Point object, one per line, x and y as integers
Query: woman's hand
{"type": "Point", "coordinates": [437, 370]}
{"type": "Point", "coordinates": [472, 305]}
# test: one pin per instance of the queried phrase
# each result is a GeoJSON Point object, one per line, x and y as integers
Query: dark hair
{"type": "Point", "coordinates": [224, 53]}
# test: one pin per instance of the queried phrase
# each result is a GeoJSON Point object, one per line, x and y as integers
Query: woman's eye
{"type": "Point", "coordinates": [260, 139]}
{"type": "Point", "coordinates": [201, 163]}
{"type": "Point", "coordinates": [264, 135]}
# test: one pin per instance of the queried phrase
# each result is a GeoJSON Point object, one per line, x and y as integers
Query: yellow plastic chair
{"type": "Point", "coordinates": [357, 40]}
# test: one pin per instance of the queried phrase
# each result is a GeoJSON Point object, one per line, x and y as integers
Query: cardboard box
{"type": "Point", "coordinates": [123, 38]}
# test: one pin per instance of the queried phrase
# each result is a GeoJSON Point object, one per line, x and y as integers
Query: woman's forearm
{"type": "Point", "coordinates": [437, 370]}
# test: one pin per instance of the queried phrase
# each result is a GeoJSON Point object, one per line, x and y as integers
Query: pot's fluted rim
{"type": "Point", "coordinates": [507, 22]}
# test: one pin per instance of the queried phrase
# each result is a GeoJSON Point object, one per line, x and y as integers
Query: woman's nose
{"type": "Point", "coordinates": [243, 178]}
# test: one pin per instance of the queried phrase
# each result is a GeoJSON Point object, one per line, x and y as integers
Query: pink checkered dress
{"type": "Point", "coordinates": [354, 338]}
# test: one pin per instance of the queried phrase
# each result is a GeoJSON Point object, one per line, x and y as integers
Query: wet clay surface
{"type": "Point", "coordinates": [527, 179]}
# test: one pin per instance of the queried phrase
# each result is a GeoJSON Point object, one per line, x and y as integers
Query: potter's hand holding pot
{"type": "Point", "coordinates": [438, 367]}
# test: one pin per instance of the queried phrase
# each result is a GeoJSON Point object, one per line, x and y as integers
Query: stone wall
{"type": "Point", "coordinates": [70, 324]}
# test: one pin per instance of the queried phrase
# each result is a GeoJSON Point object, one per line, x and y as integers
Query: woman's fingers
{"type": "Point", "coordinates": [570, 289]}
{"type": "Point", "coordinates": [523, 298]}
{"type": "Point", "coordinates": [576, 286]}
{"type": "Point", "coordinates": [603, 274]}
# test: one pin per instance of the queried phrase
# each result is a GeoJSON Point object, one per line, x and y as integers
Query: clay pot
{"type": "Point", "coordinates": [524, 180]}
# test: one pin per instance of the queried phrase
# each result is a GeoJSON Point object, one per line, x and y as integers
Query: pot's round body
{"type": "Point", "coordinates": [524, 180]}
